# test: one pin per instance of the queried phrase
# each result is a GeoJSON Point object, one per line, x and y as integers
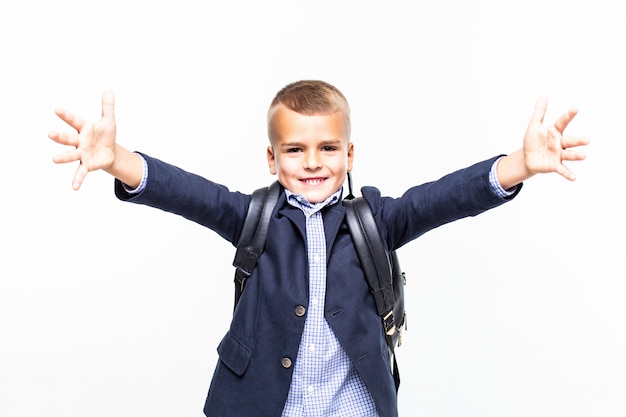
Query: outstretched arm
{"type": "Point", "coordinates": [95, 146]}
{"type": "Point", "coordinates": [544, 149]}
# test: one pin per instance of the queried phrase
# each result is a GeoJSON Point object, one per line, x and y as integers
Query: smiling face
{"type": "Point", "coordinates": [310, 154]}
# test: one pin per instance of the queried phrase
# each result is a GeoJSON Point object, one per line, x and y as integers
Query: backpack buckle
{"type": "Point", "coordinates": [389, 324]}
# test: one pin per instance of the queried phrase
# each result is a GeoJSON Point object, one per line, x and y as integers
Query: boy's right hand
{"type": "Point", "coordinates": [94, 142]}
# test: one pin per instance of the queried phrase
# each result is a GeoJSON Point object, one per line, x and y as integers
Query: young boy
{"type": "Point", "coordinates": [305, 338]}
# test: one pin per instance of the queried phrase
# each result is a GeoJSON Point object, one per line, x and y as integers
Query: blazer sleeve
{"type": "Point", "coordinates": [463, 193]}
{"type": "Point", "coordinates": [198, 199]}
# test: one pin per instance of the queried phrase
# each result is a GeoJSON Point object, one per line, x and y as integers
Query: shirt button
{"type": "Point", "coordinates": [310, 389]}
{"type": "Point", "coordinates": [300, 311]}
{"type": "Point", "coordinates": [286, 363]}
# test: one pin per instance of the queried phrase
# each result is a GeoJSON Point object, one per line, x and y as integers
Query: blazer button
{"type": "Point", "coordinates": [300, 310]}
{"type": "Point", "coordinates": [286, 362]}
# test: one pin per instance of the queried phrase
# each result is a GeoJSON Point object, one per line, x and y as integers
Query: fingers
{"type": "Point", "coordinates": [79, 177]}
{"type": "Point", "coordinates": [66, 157]}
{"type": "Point", "coordinates": [539, 111]}
{"type": "Point", "coordinates": [573, 141]}
{"type": "Point", "coordinates": [84, 138]}
{"type": "Point", "coordinates": [63, 138]}
{"type": "Point", "coordinates": [70, 118]}
{"type": "Point", "coordinates": [563, 120]}
{"type": "Point", "coordinates": [571, 155]}
{"type": "Point", "coordinates": [108, 111]}
{"type": "Point", "coordinates": [108, 104]}
{"type": "Point", "coordinates": [565, 172]}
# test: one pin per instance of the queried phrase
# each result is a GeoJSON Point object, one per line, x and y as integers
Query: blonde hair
{"type": "Point", "coordinates": [312, 98]}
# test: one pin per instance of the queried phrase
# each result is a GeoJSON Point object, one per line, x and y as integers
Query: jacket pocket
{"type": "Point", "coordinates": [235, 355]}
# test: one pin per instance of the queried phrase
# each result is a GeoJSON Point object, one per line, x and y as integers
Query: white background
{"type": "Point", "coordinates": [113, 309]}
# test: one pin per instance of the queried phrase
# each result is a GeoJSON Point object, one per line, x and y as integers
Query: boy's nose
{"type": "Point", "coordinates": [313, 160]}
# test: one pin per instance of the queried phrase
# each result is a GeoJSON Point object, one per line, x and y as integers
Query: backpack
{"type": "Point", "coordinates": [381, 267]}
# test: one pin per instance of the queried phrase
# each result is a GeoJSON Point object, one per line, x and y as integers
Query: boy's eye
{"type": "Point", "coordinates": [329, 148]}
{"type": "Point", "coordinates": [293, 149]}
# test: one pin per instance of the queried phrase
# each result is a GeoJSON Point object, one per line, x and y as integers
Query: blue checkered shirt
{"type": "Point", "coordinates": [324, 382]}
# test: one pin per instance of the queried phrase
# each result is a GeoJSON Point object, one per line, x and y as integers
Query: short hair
{"type": "Point", "coordinates": [312, 98]}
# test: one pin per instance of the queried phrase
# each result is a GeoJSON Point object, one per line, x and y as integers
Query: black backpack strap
{"type": "Point", "coordinates": [253, 234]}
{"type": "Point", "coordinates": [376, 267]}
{"type": "Point", "coordinates": [373, 256]}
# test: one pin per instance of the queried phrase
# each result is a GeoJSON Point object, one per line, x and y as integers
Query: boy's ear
{"type": "Point", "coordinates": [350, 156]}
{"type": "Point", "coordinates": [271, 160]}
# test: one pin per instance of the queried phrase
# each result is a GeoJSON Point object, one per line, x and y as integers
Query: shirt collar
{"type": "Point", "coordinates": [298, 200]}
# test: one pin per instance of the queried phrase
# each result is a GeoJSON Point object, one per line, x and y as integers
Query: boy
{"type": "Point", "coordinates": [305, 338]}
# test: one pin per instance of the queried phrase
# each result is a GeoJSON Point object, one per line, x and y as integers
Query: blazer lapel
{"type": "Point", "coordinates": [333, 218]}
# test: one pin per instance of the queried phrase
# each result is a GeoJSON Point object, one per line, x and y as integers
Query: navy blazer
{"type": "Point", "coordinates": [256, 356]}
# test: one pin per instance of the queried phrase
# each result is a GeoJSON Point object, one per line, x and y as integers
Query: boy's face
{"type": "Point", "coordinates": [310, 154]}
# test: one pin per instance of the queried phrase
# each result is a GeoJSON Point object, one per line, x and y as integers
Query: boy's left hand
{"type": "Point", "coordinates": [545, 148]}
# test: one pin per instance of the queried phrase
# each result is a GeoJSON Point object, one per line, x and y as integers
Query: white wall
{"type": "Point", "coordinates": [110, 309]}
